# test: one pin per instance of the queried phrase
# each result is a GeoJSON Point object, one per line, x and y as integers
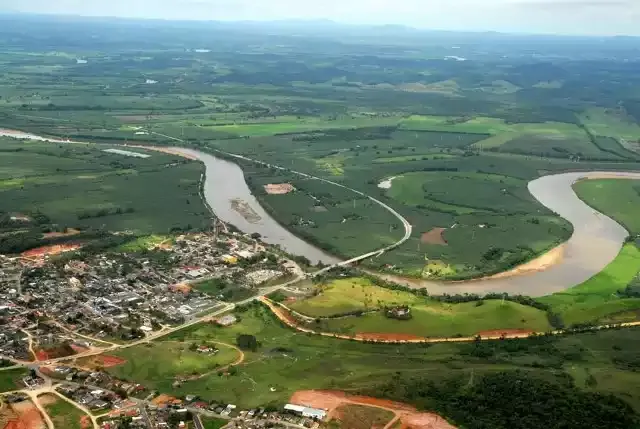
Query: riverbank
{"type": "Point", "coordinates": [595, 242]}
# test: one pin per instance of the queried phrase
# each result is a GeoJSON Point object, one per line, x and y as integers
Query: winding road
{"type": "Point", "coordinates": [595, 242]}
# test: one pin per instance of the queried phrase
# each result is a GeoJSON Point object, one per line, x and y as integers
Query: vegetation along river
{"type": "Point", "coordinates": [595, 242]}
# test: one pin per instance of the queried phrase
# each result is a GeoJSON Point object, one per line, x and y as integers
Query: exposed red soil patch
{"type": "Point", "coordinates": [505, 332]}
{"type": "Point", "coordinates": [51, 250]}
{"type": "Point", "coordinates": [23, 415]}
{"type": "Point", "coordinates": [278, 188]}
{"type": "Point", "coordinates": [85, 422]}
{"type": "Point", "coordinates": [435, 236]}
{"type": "Point", "coordinates": [42, 355]}
{"type": "Point", "coordinates": [109, 361]}
{"type": "Point", "coordinates": [368, 336]}
{"type": "Point", "coordinates": [408, 415]}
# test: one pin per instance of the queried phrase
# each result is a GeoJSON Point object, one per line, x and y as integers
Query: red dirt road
{"type": "Point", "coordinates": [408, 415]}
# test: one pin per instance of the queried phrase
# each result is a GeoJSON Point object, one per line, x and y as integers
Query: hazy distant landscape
{"type": "Point", "coordinates": [355, 139]}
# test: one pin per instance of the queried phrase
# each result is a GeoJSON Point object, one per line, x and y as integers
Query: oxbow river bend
{"type": "Point", "coordinates": [595, 242]}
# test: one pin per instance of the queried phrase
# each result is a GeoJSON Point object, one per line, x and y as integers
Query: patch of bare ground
{"type": "Point", "coordinates": [434, 236]}
{"type": "Point", "coordinates": [278, 188]}
{"type": "Point", "coordinates": [21, 415]}
{"type": "Point", "coordinates": [331, 401]}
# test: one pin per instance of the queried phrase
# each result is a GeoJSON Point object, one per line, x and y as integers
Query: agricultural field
{"type": "Point", "coordinates": [52, 187]}
{"type": "Point", "coordinates": [349, 295]}
{"type": "Point", "coordinates": [403, 113]}
{"type": "Point", "coordinates": [62, 413]}
{"type": "Point", "coordinates": [429, 318]}
{"type": "Point", "coordinates": [287, 361]}
{"type": "Point", "coordinates": [170, 361]}
{"type": "Point", "coordinates": [617, 198]}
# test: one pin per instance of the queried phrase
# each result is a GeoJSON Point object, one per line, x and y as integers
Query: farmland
{"type": "Point", "coordinates": [49, 187]}
{"type": "Point", "coordinates": [463, 138]}
{"type": "Point", "coordinates": [617, 198]}
{"type": "Point", "coordinates": [286, 361]}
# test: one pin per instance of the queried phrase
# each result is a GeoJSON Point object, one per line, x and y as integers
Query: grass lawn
{"type": "Point", "coordinates": [167, 360]}
{"type": "Point", "coordinates": [62, 413]}
{"type": "Point", "coordinates": [435, 319]}
{"type": "Point", "coordinates": [213, 423]}
{"type": "Point", "coordinates": [353, 294]}
{"type": "Point", "coordinates": [597, 297]}
{"type": "Point", "coordinates": [618, 198]}
{"type": "Point", "coordinates": [10, 379]}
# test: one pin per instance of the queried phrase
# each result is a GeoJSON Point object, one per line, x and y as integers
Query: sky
{"type": "Point", "coordinates": [584, 17]}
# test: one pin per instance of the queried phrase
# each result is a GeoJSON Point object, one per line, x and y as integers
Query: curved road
{"type": "Point", "coordinates": [595, 242]}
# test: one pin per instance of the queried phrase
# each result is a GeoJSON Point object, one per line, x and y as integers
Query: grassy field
{"type": "Point", "coordinates": [347, 295]}
{"type": "Point", "coordinates": [146, 242]}
{"type": "Point", "coordinates": [598, 297]}
{"type": "Point", "coordinates": [213, 423]}
{"type": "Point", "coordinates": [611, 123]}
{"type": "Point", "coordinates": [434, 319]}
{"type": "Point", "coordinates": [288, 361]}
{"type": "Point", "coordinates": [618, 198]}
{"type": "Point", "coordinates": [167, 361]}
{"type": "Point", "coordinates": [11, 379]}
{"type": "Point", "coordinates": [430, 318]}
{"type": "Point", "coordinates": [62, 413]}
{"type": "Point", "coordinates": [82, 186]}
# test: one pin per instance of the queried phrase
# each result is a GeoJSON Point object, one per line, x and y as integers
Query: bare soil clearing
{"type": "Point", "coordinates": [51, 250]}
{"type": "Point", "coordinates": [435, 236]}
{"type": "Point", "coordinates": [332, 400]}
{"type": "Point", "coordinates": [278, 188]}
{"type": "Point", "coordinates": [21, 415]}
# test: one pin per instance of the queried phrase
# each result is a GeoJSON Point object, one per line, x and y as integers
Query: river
{"type": "Point", "coordinates": [595, 242]}
{"type": "Point", "coordinates": [225, 183]}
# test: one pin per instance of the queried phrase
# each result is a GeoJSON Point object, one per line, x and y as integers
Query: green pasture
{"type": "Point", "coordinates": [435, 319]}
{"type": "Point", "coordinates": [11, 379]}
{"type": "Point", "coordinates": [63, 414]}
{"type": "Point", "coordinates": [352, 294]}
{"type": "Point", "coordinates": [598, 298]}
{"type": "Point", "coordinates": [486, 125]}
{"type": "Point", "coordinates": [83, 186]}
{"type": "Point", "coordinates": [618, 198]}
{"type": "Point", "coordinates": [165, 361]}
{"type": "Point", "coordinates": [611, 123]}
{"type": "Point", "coordinates": [287, 361]}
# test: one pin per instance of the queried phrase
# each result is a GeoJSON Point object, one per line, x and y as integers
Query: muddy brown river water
{"type": "Point", "coordinates": [595, 242]}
